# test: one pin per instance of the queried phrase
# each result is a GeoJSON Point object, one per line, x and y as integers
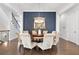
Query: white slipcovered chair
{"type": "Point", "coordinates": [26, 32]}
{"type": "Point", "coordinates": [19, 40]}
{"type": "Point", "coordinates": [34, 32]}
{"type": "Point", "coordinates": [25, 40]}
{"type": "Point", "coordinates": [56, 37]}
{"type": "Point", "coordinates": [19, 37]}
{"type": "Point", "coordinates": [45, 32]}
{"type": "Point", "coordinates": [47, 42]}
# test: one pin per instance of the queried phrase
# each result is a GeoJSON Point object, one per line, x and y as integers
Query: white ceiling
{"type": "Point", "coordinates": [20, 7]}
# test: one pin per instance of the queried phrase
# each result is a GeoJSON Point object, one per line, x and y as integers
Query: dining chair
{"type": "Point", "coordinates": [45, 32]}
{"type": "Point", "coordinates": [26, 41]}
{"type": "Point", "coordinates": [56, 37]}
{"type": "Point", "coordinates": [47, 42]}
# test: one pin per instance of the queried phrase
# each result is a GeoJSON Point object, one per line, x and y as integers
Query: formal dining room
{"type": "Point", "coordinates": [39, 29]}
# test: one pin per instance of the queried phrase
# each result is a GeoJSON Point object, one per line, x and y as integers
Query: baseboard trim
{"type": "Point", "coordinates": [68, 40]}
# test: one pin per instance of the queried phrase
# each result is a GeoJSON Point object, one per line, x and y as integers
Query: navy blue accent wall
{"type": "Point", "coordinates": [50, 20]}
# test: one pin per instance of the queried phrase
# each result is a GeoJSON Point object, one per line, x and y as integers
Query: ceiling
{"type": "Point", "coordinates": [20, 7]}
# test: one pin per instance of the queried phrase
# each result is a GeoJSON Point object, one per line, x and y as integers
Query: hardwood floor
{"type": "Point", "coordinates": [63, 48]}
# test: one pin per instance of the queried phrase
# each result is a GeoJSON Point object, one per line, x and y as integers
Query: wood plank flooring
{"type": "Point", "coordinates": [62, 48]}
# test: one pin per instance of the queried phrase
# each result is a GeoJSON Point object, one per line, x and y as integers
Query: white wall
{"type": "Point", "coordinates": [69, 25]}
{"type": "Point", "coordinates": [57, 22]}
{"type": "Point", "coordinates": [4, 21]}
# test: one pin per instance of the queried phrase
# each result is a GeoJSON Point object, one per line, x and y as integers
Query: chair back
{"type": "Point", "coordinates": [26, 40]}
{"type": "Point", "coordinates": [48, 40]}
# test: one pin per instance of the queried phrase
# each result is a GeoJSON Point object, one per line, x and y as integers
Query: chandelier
{"type": "Point", "coordinates": [39, 22]}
